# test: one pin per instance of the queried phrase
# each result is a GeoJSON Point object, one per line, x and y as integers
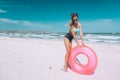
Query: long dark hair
{"type": "Point", "coordinates": [72, 16]}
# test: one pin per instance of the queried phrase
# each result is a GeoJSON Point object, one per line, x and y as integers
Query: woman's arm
{"type": "Point", "coordinates": [74, 35]}
{"type": "Point", "coordinates": [81, 34]}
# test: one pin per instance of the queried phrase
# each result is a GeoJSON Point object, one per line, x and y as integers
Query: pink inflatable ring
{"type": "Point", "coordinates": [79, 68]}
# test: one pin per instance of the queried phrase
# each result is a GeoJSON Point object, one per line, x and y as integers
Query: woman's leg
{"type": "Point", "coordinates": [70, 45]}
{"type": "Point", "coordinates": [67, 46]}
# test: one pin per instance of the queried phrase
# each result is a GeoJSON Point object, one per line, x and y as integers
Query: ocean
{"type": "Point", "coordinates": [88, 37]}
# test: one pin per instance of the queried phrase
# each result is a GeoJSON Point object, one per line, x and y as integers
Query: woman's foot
{"type": "Point", "coordinates": [65, 68]}
{"type": "Point", "coordinates": [68, 65]}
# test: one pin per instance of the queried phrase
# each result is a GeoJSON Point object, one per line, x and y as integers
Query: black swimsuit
{"type": "Point", "coordinates": [69, 36]}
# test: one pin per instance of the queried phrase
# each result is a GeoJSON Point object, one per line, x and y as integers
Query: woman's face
{"type": "Point", "coordinates": [75, 19]}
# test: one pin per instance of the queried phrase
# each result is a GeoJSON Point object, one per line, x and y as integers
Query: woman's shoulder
{"type": "Point", "coordinates": [79, 24]}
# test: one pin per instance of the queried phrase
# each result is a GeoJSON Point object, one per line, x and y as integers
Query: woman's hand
{"type": "Point", "coordinates": [83, 44]}
{"type": "Point", "coordinates": [78, 44]}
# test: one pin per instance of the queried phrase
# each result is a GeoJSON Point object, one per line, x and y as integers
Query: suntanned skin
{"type": "Point", "coordinates": [68, 44]}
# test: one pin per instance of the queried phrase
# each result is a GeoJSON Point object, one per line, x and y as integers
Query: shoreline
{"type": "Point", "coordinates": [57, 40]}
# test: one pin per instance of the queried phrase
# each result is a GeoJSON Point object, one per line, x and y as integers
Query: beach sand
{"type": "Point", "coordinates": [35, 59]}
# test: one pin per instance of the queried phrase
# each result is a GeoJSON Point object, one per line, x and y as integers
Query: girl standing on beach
{"type": "Point", "coordinates": [75, 27]}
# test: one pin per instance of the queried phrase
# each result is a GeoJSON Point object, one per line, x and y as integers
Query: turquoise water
{"type": "Point", "coordinates": [88, 37]}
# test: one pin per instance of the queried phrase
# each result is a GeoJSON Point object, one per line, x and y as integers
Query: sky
{"type": "Point", "coordinates": [95, 16]}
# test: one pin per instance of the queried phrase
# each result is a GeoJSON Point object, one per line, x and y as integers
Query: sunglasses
{"type": "Point", "coordinates": [75, 19]}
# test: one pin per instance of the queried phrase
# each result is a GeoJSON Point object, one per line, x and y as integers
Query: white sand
{"type": "Point", "coordinates": [32, 59]}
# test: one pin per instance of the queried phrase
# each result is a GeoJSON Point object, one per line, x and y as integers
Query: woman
{"type": "Point", "coordinates": [75, 27]}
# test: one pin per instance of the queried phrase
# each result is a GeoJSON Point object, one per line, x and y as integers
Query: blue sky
{"type": "Point", "coordinates": [54, 15]}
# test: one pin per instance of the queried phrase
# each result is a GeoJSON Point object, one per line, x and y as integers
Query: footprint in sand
{"type": "Point", "coordinates": [19, 61]}
{"type": "Point", "coordinates": [61, 69]}
{"type": "Point", "coordinates": [50, 67]}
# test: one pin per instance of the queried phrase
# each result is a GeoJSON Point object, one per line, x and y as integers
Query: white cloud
{"type": "Point", "coordinates": [2, 11]}
{"type": "Point", "coordinates": [5, 20]}
{"type": "Point", "coordinates": [106, 20]}
{"type": "Point", "coordinates": [14, 6]}
{"type": "Point", "coordinates": [101, 25]}
{"type": "Point", "coordinates": [27, 23]}
{"type": "Point", "coordinates": [23, 23]}
{"type": "Point", "coordinates": [100, 22]}
{"type": "Point", "coordinates": [67, 24]}
{"type": "Point", "coordinates": [33, 24]}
